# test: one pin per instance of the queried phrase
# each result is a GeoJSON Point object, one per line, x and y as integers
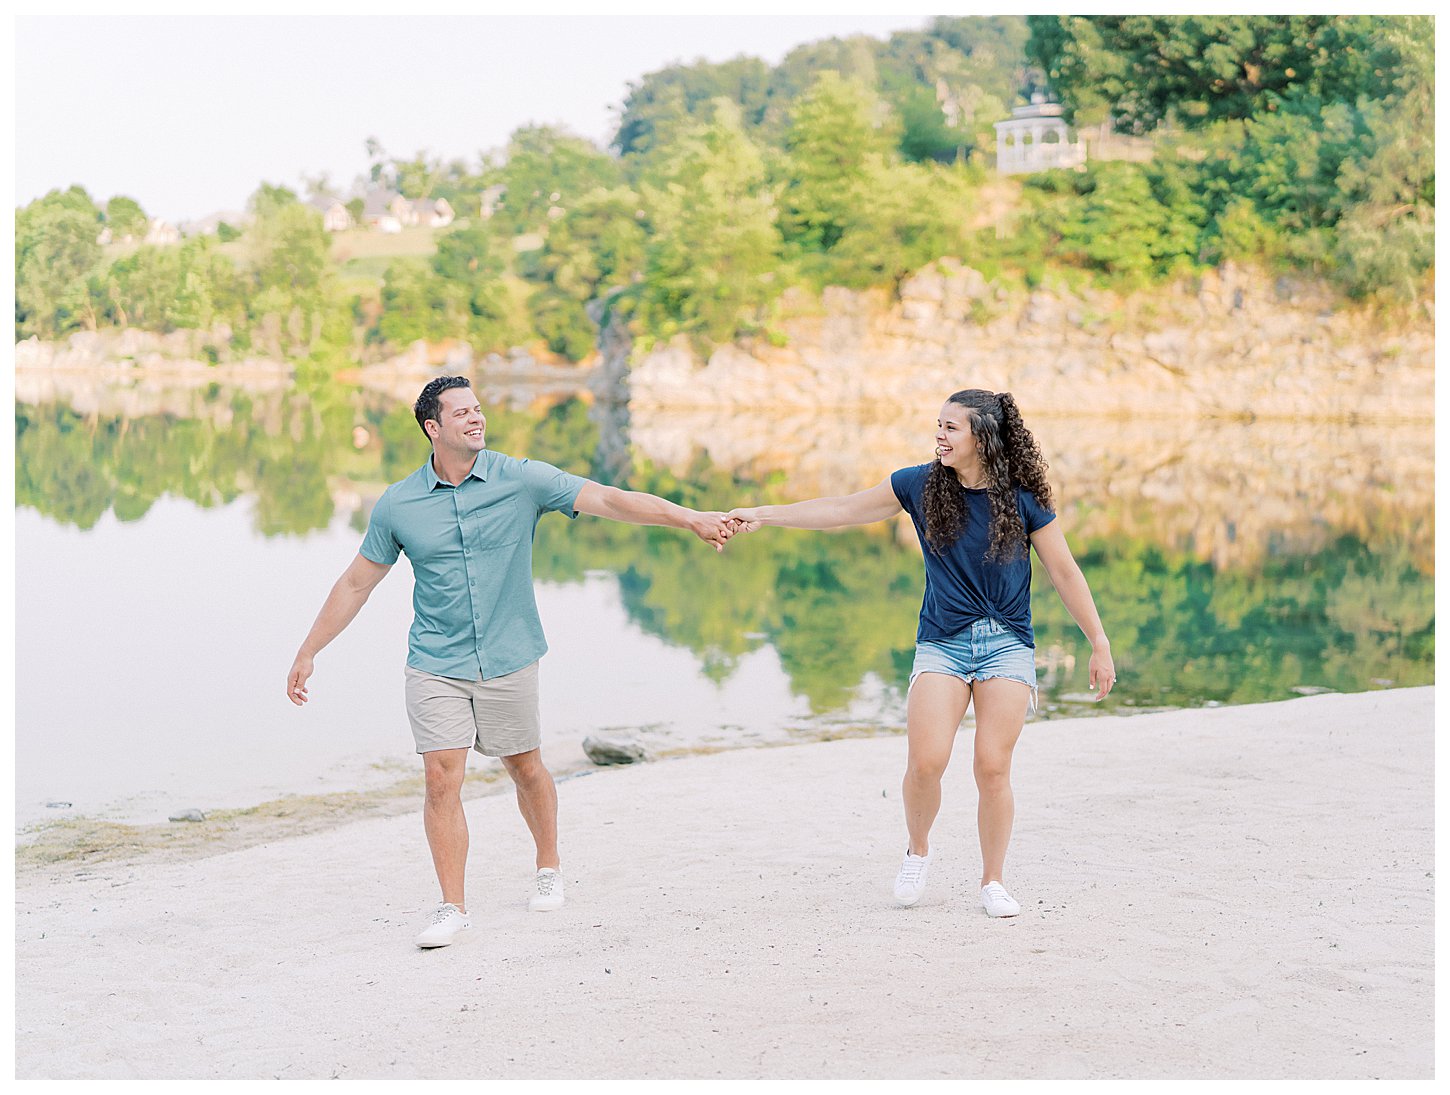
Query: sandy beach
{"type": "Point", "coordinates": [1231, 892]}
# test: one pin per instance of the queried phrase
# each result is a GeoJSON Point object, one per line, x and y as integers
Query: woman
{"type": "Point", "coordinates": [976, 509]}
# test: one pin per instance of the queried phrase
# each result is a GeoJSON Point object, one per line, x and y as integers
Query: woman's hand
{"type": "Point", "coordinates": [747, 519]}
{"type": "Point", "coordinates": [1101, 674]}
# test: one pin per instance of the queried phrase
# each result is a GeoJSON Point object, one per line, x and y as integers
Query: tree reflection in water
{"type": "Point", "coordinates": [1235, 565]}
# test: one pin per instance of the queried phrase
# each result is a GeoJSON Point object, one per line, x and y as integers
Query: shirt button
{"type": "Point", "coordinates": [475, 617]}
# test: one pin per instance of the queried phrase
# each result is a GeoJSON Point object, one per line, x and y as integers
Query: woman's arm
{"type": "Point", "coordinates": [637, 508]}
{"type": "Point", "coordinates": [1051, 547]}
{"type": "Point", "coordinates": [861, 508]}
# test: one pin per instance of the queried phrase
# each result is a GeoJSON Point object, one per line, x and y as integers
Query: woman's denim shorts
{"type": "Point", "coordinates": [985, 648]}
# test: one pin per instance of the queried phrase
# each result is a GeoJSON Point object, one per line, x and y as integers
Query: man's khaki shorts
{"type": "Point", "coordinates": [498, 717]}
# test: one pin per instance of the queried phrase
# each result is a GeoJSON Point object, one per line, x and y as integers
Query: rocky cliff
{"type": "Point", "coordinates": [1233, 342]}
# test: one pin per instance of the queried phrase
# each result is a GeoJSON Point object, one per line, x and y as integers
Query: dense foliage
{"type": "Point", "coordinates": [1300, 139]}
{"type": "Point", "coordinates": [1298, 142]}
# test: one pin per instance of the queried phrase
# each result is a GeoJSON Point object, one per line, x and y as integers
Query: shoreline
{"type": "Point", "coordinates": [76, 844]}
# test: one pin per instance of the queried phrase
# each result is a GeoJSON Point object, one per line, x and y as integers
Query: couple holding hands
{"type": "Point", "coordinates": [466, 521]}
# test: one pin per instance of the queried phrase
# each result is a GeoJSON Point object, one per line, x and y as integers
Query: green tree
{"type": "Point", "coordinates": [661, 101]}
{"type": "Point", "coordinates": [597, 246]}
{"type": "Point", "coordinates": [1203, 68]}
{"type": "Point", "coordinates": [852, 60]}
{"type": "Point", "coordinates": [833, 139]}
{"type": "Point", "coordinates": [418, 177]}
{"type": "Point", "coordinates": [292, 275]}
{"type": "Point", "coordinates": [951, 81]}
{"type": "Point", "coordinates": [126, 218]}
{"type": "Point", "coordinates": [925, 134]}
{"type": "Point", "coordinates": [1386, 235]}
{"type": "Point", "coordinates": [548, 169]}
{"type": "Point", "coordinates": [142, 288]}
{"type": "Point", "coordinates": [713, 235]}
{"type": "Point", "coordinates": [467, 263]}
{"type": "Point", "coordinates": [857, 214]}
{"type": "Point", "coordinates": [56, 249]}
{"type": "Point", "coordinates": [908, 216]}
{"type": "Point", "coordinates": [1120, 226]}
{"type": "Point", "coordinates": [289, 250]}
{"type": "Point", "coordinates": [417, 304]}
{"type": "Point", "coordinates": [268, 199]}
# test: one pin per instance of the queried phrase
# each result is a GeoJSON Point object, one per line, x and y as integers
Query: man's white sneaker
{"type": "Point", "coordinates": [548, 892]}
{"type": "Point", "coordinates": [911, 879]}
{"type": "Point", "coordinates": [445, 927]}
{"type": "Point", "coordinates": [997, 901]}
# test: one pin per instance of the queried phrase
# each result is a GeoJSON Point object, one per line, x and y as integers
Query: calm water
{"type": "Point", "coordinates": [173, 547]}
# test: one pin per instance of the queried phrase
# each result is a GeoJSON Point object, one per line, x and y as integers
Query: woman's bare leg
{"type": "Point", "coordinates": [934, 710]}
{"type": "Point", "coordinates": [1001, 708]}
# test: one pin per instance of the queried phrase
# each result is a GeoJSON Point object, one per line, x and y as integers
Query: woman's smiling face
{"type": "Point", "coordinates": [956, 447]}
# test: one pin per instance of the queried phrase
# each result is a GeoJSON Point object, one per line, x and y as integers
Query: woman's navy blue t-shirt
{"type": "Point", "coordinates": [961, 585]}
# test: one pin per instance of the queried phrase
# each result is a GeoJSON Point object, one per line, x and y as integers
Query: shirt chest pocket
{"type": "Point", "coordinates": [498, 525]}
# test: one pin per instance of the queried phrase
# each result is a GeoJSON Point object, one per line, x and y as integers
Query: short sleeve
{"type": "Point", "coordinates": [1034, 514]}
{"type": "Point", "coordinates": [380, 544]}
{"type": "Point", "coordinates": [906, 484]}
{"type": "Point", "coordinates": [550, 488]}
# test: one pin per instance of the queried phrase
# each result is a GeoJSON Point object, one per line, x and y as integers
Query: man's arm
{"type": "Point", "coordinates": [862, 508]}
{"type": "Point", "coordinates": [348, 595]}
{"type": "Point", "coordinates": [636, 508]}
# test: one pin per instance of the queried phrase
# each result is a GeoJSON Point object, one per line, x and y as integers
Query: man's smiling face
{"type": "Point", "coordinates": [461, 423]}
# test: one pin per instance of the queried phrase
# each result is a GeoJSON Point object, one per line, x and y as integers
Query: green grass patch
{"type": "Point", "coordinates": [365, 243]}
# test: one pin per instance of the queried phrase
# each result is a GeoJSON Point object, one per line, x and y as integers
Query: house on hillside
{"type": "Point", "coordinates": [1036, 138]}
{"type": "Point", "coordinates": [389, 211]}
{"type": "Point", "coordinates": [161, 234]}
{"type": "Point", "coordinates": [335, 217]}
{"type": "Point", "coordinates": [431, 213]}
{"type": "Point", "coordinates": [381, 210]}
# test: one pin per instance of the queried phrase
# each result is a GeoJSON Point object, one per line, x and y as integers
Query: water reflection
{"type": "Point", "coordinates": [1233, 562]}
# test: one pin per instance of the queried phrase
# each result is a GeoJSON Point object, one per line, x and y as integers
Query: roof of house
{"type": "Point", "coordinates": [376, 203]}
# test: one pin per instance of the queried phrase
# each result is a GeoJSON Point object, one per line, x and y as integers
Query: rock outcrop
{"type": "Point", "coordinates": [1233, 342]}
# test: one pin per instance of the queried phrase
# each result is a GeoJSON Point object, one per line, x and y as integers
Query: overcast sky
{"type": "Point", "coordinates": [187, 114]}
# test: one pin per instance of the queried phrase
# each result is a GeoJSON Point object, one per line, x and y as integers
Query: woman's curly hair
{"type": "Point", "coordinates": [1010, 458]}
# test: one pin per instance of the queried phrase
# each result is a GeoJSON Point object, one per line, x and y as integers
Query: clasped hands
{"type": "Point", "coordinates": [716, 527]}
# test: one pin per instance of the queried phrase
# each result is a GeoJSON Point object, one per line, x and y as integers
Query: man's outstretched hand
{"type": "Point", "coordinates": [297, 679]}
{"type": "Point", "coordinates": [714, 528]}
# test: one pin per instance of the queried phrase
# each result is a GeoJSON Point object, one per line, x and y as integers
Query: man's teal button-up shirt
{"type": "Point", "coordinates": [471, 548]}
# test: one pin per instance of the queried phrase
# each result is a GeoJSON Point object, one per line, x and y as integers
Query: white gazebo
{"type": "Point", "coordinates": [1036, 138]}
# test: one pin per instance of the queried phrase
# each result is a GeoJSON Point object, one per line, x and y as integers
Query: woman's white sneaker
{"type": "Point", "coordinates": [548, 892]}
{"type": "Point", "coordinates": [445, 926]}
{"type": "Point", "coordinates": [997, 901]}
{"type": "Point", "coordinates": [911, 879]}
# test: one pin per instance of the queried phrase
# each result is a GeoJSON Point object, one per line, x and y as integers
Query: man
{"type": "Point", "coordinates": [466, 521]}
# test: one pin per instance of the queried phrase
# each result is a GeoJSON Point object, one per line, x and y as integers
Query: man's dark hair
{"type": "Point", "coordinates": [428, 406]}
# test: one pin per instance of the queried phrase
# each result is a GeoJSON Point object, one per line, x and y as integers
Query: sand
{"type": "Point", "coordinates": [1233, 892]}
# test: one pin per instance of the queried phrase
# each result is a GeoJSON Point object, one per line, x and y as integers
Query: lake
{"type": "Point", "coordinates": [174, 542]}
